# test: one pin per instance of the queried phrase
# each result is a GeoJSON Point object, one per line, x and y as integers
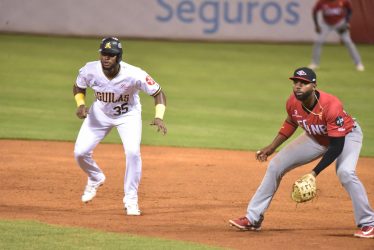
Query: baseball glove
{"type": "Point", "coordinates": [343, 29]}
{"type": "Point", "coordinates": [304, 189]}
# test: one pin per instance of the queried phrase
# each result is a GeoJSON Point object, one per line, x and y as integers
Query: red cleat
{"type": "Point", "coordinates": [245, 225]}
{"type": "Point", "coordinates": [365, 232]}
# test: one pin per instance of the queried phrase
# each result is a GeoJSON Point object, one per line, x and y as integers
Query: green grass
{"type": "Point", "coordinates": [219, 95]}
{"type": "Point", "coordinates": [39, 236]}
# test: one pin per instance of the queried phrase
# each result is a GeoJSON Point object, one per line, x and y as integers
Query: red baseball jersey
{"type": "Point", "coordinates": [327, 118]}
{"type": "Point", "coordinates": [332, 11]}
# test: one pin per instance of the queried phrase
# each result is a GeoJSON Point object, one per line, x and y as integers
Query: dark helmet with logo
{"type": "Point", "coordinates": [111, 45]}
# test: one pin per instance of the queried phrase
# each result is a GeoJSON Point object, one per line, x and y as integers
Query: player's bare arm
{"type": "Point", "coordinates": [160, 106]}
{"type": "Point", "coordinates": [79, 95]}
{"type": "Point", "coordinates": [285, 132]}
{"type": "Point", "coordinates": [262, 154]}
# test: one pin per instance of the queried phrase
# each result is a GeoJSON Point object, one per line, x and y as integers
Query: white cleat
{"type": "Point", "coordinates": [313, 66]}
{"type": "Point", "coordinates": [133, 210]}
{"type": "Point", "coordinates": [360, 67]}
{"type": "Point", "coordinates": [90, 190]}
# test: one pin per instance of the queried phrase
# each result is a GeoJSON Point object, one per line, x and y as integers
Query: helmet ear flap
{"type": "Point", "coordinates": [119, 57]}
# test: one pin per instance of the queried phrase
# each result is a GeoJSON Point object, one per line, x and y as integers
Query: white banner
{"type": "Point", "coordinates": [224, 20]}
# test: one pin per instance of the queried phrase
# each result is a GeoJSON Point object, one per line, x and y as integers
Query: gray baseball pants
{"type": "Point", "coordinates": [346, 38]}
{"type": "Point", "coordinates": [303, 150]}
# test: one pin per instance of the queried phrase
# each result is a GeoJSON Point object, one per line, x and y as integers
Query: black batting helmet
{"type": "Point", "coordinates": [111, 45]}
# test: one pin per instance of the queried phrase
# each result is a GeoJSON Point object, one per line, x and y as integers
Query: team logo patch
{"type": "Point", "coordinates": [301, 73]}
{"type": "Point", "coordinates": [149, 80]}
{"type": "Point", "coordinates": [339, 121]}
{"type": "Point", "coordinates": [108, 45]}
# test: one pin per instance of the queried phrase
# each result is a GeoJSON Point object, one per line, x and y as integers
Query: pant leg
{"type": "Point", "coordinates": [130, 131]}
{"type": "Point", "coordinates": [346, 171]}
{"type": "Point", "coordinates": [346, 38]}
{"type": "Point", "coordinates": [317, 47]}
{"type": "Point", "coordinates": [93, 130]}
{"type": "Point", "coordinates": [298, 152]}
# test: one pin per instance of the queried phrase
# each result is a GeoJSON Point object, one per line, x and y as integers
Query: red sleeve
{"type": "Point", "coordinates": [317, 7]}
{"type": "Point", "coordinates": [348, 4]}
{"type": "Point", "coordinates": [336, 119]}
{"type": "Point", "coordinates": [289, 106]}
{"type": "Point", "coordinates": [287, 129]}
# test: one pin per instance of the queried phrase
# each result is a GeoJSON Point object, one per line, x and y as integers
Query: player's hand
{"type": "Point", "coordinates": [160, 125]}
{"type": "Point", "coordinates": [318, 29]}
{"type": "Point", "coordinates": [313, 173]}
{"type": "Point", "coordinates": [343, 29]}
{"type": "Point", "coordinates": [262, 154]}
{"type": "Point", "coordinates": [82, 111]}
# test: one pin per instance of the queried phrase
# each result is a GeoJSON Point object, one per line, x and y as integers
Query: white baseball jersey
{"type": "Point", "coordinates": [117, 97]}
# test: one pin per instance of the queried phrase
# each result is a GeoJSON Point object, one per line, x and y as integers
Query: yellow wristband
{"type": "Point", "coordinates": [79, 98]}
{"type": "Point", "coordinates": [160, 111]}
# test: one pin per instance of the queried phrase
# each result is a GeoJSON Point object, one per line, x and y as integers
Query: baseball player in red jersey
{"type": "Point", "coordinates": [116, 86]}
{"type": "Point", "coordinates": [330, 133]}
{"type": "Point", "coordinates": [336, 15]}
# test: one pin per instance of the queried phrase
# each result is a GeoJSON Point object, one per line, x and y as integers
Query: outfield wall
{"type": "Point", "coordinates": [237, 20]}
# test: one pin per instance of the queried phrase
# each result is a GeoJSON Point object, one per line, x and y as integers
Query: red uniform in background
{"type": "Point", "coordinates": [333, 11]}
{"type": "Point", "coordinates": [336, 15]}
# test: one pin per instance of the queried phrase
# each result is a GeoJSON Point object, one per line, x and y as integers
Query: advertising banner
{"type": "Point", "coordinates": [223, 20]}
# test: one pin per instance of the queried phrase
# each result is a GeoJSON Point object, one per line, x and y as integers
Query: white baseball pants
{"type": "Point", "coordinates": [93, 130]}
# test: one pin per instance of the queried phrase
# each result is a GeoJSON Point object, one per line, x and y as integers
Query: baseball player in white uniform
{"type": "Point", "coordinates": [116, 85]}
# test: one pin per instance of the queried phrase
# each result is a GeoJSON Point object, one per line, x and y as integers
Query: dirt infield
{"type": "Point", "coordinates": [185, 194]}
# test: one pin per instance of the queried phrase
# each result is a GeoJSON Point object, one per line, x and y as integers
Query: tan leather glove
{"type": "Point", "coordinates": [304, 189]}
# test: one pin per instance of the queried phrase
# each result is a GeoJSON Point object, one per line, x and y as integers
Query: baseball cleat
{"type": "Point", "coordinates": [244, 224]}
{"type": "Point", "coordinates": [133, 210]}
{"type": "Point", "coordinates": [90, 190]}
{"type": "Point", "coordinates": [360, 67]}
{"type": "Point", "coordinates": [365, 232]}
{"type": "Point", "coordinates": [313, 66]}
